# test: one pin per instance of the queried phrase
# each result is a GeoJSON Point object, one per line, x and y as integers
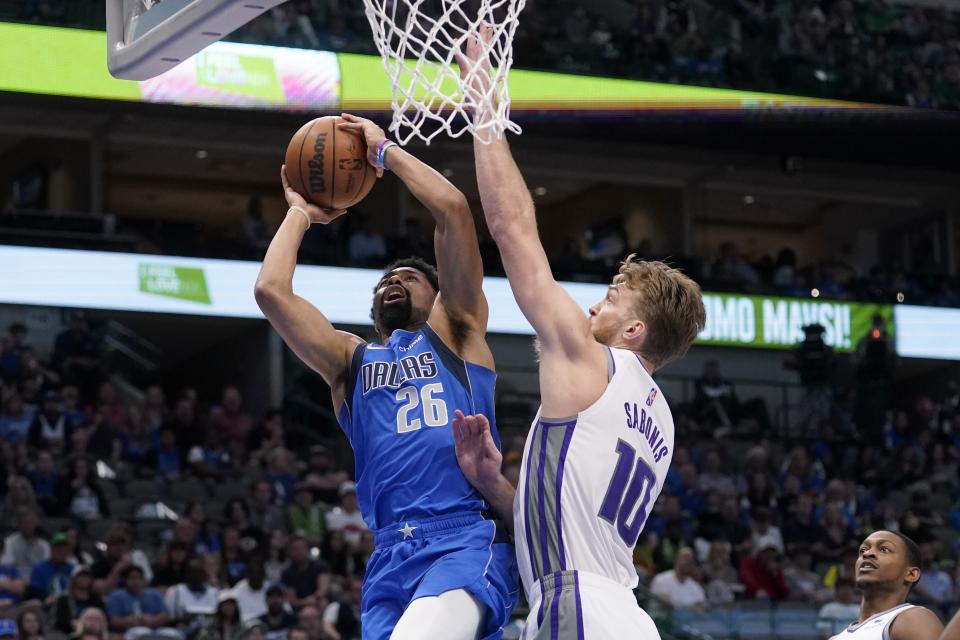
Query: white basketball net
{"type": "Point", "coordinates": [419, 41]}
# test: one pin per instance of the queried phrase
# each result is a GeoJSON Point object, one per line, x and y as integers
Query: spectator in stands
{"type": "Point", "coordinates": [800, 526]}
{"type": "Point", "coordinates": [680, 586]}
{"type": "Point", "coordinates": [763, 529]}
{"type": "Point", "coordinates": [337, 554]}
{"type": "Point", "coordinates": [365, 247]}
{"type": "Point", "coordinates": [188, 602]}
{"type": "Point", "coordinates": [30, 625]}
{"type": "Point", "coordinates": [276, 561]}
{"type": "Point", "coordinates": [251, 591]}
{"type": "Point", "coordinates": [8, 629]}
{"type": "Point", "coordinates": [45, 479]}
{"type": "Point", "coordinates": [804, 583]}
{"type": "Point", "coordinates": [362, 552]}
{"type": "Point", "coordinates": [722, 582]}
{"type": "Point", "coordinates": [762, 573]}
{"type": "Point", "coordinates": [12, 347]}
{"type": "Point", "coordinates": [118, 558]}
{"type": "Point", "coordinates": [835, 532]}
{"type": "Point", "coordinates": [165, 458]}
{"type": "Point", "coordinates": [78, 597]}
{"type": "Point", "coordinates": [306, 579]}
{"type": "Point", "coordinates": [229, 419]}
{"type": "Point", "coordinates": [233, 560]}
{"type": "Point", "coordinates": [16, 419]}
{"type": "Point", "coordinates": [298, 633]}
{"type": "Point", "coordinates": [207, 540]}
{"type": "Point", "coordinates": [51, 428]}
{"type": "Point", "coordinates": [341, 618]}
{"type": "Point", "coordinates": [837, 614]}
{"type": "Point", "coordinates": [25, 548]}
{"type": "Point", "coordinates": [138, 611]}
{"type": "Point", "coordinates": [236, 514]}
{"type": "Point", "coordinates": [92, 623]}
{"type": "Point", "coordinates": [51, 577]}
{"type": "Point", "coordinates": [76, 354]}
{"type": "Point", "coordinates": [732, 269]}
{"type": "Point", "coordinates": [265, 514]}
{"type": "Point", "coordinates": [306, 518]}
{"type": "Point", "coordinates": [70, 396]}
{"type": "Point", "coordinates": [311, 621]}
{"type": "Point", "coordinates": [280, 474]}
{"type": "Point", "coordinates": [269, 435]}
{"type": "Point", "coordinates": [321, 476]}
{"type": "Point", "coordinates": [277, 618]}
{"type": "Point", "coordinates": [79, 495]}
{"type": "Point", "coordinates": [209, 461]}
{"type": "Point", "coordinates": [714, 399]}
{"type": "Point", "coordinates": [186, 425]}
{"type": "Point", "coordinates": [172, 567]}
{"type": "Point", "coordinates": [155, 411]}
{"type": "Point", "coordinates": [225, 623]}
{"type": "Point", "coordinates": [105, 439]}
{"type": "Point", "coordinates": [712, 477]}
{"type": "Point", "coordinates": [935, 588]}
{"type": "Point", "coordinates": [347, 517]}
{"type": "Point", "coordinates": [19, 494]}
{"type": "Point", "coordinates": [12, 585]}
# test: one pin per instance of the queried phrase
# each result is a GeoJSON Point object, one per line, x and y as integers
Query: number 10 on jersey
{"type": "Point", "coordinates": [632, 479]}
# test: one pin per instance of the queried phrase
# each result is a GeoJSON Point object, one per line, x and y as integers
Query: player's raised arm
{"type": "Point", "coordinates": [301, 325]}
{"type": "Point", "coordinates": [559, 322]}
{"type": "Point", "coordinates": [459, 267]}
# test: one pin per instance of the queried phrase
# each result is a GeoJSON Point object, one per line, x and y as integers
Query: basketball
{"type": "Point", "coordinates": [328, 166]}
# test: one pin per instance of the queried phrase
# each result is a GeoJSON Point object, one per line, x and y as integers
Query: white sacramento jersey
{"type": "Point", "coordinates": [876, 627]}
{"type": "Point", "coordinates": [589, 482]}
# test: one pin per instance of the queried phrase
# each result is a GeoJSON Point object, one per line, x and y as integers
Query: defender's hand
{"type": "Point", "coordinates": [474, 66]}
{"type": "Point", "coordinates": [477, 454]}
{"type": "Point", "coordinates": [371, 132]}
{"type": "Point", "coordinates": [315, 213]}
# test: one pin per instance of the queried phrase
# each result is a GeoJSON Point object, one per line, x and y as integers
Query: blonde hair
{"type": "Point", "coordinates": [92, 612]}
{"type": "Point", "coordinates": [669, 303]}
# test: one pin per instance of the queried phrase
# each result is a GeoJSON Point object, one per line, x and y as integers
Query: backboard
{"type": "Point", "coordinates": [147, 37]}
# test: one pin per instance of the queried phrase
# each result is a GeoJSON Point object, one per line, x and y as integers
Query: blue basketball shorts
{"type": "Point", "coordinates": [422, 558]}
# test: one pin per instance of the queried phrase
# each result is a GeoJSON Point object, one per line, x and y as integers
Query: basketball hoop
{"type": "Point", "coordinates": [419, 42]}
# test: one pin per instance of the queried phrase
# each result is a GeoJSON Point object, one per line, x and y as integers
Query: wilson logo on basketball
{"type": "Point", "coordinates": [651, 397]}
{"type": "Point", "coordinates": [317, 181]}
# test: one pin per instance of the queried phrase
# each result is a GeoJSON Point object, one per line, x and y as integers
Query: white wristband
{"type": "Point", "coordinates": [300, 210]}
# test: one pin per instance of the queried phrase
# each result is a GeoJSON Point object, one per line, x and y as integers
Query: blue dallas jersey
{"type": "Point", "coordinates": [397, 412]}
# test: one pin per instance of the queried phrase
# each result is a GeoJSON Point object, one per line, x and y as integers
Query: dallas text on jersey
{"type": "Point", "coordinates": [393, 374]}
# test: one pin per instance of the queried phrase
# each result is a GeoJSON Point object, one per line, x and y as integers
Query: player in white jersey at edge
{"type": "Point", "coordinates": [598, 452]}
{"type": "Point", "coordinates": [888, 565]}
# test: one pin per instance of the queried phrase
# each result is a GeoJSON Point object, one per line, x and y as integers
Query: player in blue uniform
{"type": "Point", "coordinates": [441, 569]}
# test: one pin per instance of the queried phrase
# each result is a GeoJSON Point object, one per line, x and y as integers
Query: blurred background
{"type": "Point", "coordinates": [796, 157]}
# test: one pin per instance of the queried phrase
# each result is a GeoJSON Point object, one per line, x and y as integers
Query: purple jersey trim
{"type": "Point", "coordinates": [568, 436]}
{"type": "Point", "coordinates": [576, 590]}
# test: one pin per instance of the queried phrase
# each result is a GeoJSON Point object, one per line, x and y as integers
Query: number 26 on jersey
{"type": "Point", "coordinates": [432, 409]}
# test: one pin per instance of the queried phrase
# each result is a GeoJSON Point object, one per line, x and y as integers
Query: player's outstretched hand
{"type": "Point", "coordinates": [477, 454]}
{"type": "Point", "coordinates": [294, 199]}
{"type": "Point", "coordinates": [370, 130]}
{"type": "Point", "coordinates": [474, 63]}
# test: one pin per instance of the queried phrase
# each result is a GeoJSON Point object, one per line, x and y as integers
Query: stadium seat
{"type": "Point", "coordinates": [715, 624]}
{"type": "Point", "coordinates": [755, 624]}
